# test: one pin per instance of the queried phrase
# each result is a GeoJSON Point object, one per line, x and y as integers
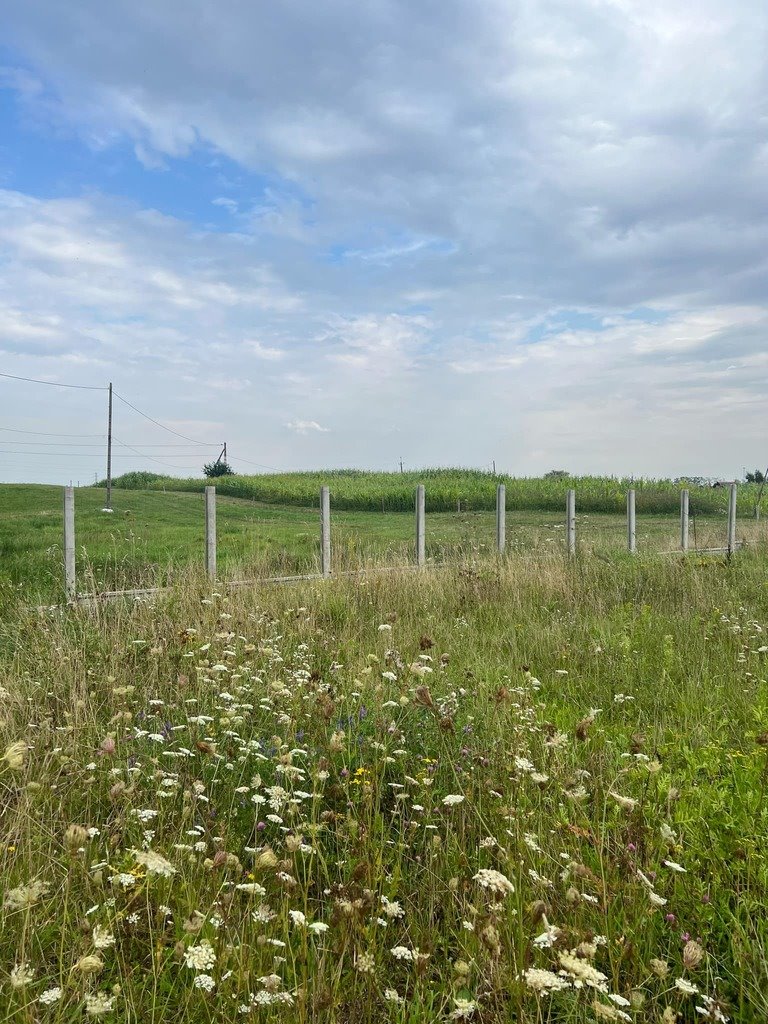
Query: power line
{"type": "Point", "coordinates": [53, 383]}
{"type": "Point", "coordinates": [59, 444]}
{"type": "Point", "coordinates": [43, 433]}
{"type": "Point", "coordinates": [163, 426]}
{"type": "Point", "coordinates": [151, 459]}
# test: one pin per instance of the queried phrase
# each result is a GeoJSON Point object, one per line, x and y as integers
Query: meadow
{"type": "Point", "coordinates": [153, 535]}
{"type": "Point", "coordinates": [522, 791]}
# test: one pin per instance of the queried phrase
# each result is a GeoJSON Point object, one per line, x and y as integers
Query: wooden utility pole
{"type": "Point", "coordinates": [109, 450]}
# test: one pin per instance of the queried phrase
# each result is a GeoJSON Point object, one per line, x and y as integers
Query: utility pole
{"type": "Point", "coordinates": [494, 467]}
{"type": "Point", "coordinates": [225, 451]}
{"type": "Point", "coordinates": [109, 451]}
{"type": "Point", "coordinates": [401, 464]}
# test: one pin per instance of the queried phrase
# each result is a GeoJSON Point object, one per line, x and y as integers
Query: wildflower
{"type": "Point", "coordinates": [365, 963]}
{"type": "Point", "coordinates": [205, 982]}
{"type": "Point", "coordinates": [548, 937]}
{"type": "Point", "coordinates": [465, 1009]}
{"type": "Point", "coordinates": [318, 927]}
{"type": "Point", "coordinates": [401, 953]}
{"type": "Point", "coordinates": [75, 836]}
{"type": "Point", "coordinates": [51, 995]}
{"type": "Point", "coordinates": [392, 908]}
{"type": "Point", "coordinates": [605, 1012]}
{"type": "Point", "coordinates": [674, 866]}
{"type": "Point", "coordinates": [452, 800]}
{"type": "Point", "coordinates": [201, 957]}
{"type": "Point", "coordinates": [693, 954]}
{"type": "Point", "coordinates": [154, 863]}
{"type": "Point", "coordinates": [494, 881]}
{"type": "Point", "coordinates": [660, 968]}
{"type": "Point", "coordinates": [252, 888]}
{"type": "Point", "coordinates": [391, 995]}
{"type": "Point", "coordinates": [98, 1003]}
{"type": "Point", "coordinates": [711, 1010]}
{"type": "Point", "coordinates": [21, 975]}
{"type": "Point", "coordinates": [656, 900]}
{"type": "Point", "coordinates": [625, 802]}
{"type": "Point", "coordinates": [25, 896]}
{"type": "Point", "coordinates": [543, 982]}
{"type": "Point", "coordinates": [15, 754]}
{"type": "Point", "coordinates": [582, 972]}
{"type": "Point", "coordinates": [668, 834]}
{"type": "Point", "coordinates": [686, 987]}
{"type": "Point", "coordinates": [298, 919]}
{"type": "Point", "coordinates": [90, 964]}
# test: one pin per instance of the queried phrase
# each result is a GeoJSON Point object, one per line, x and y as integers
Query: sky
{"type": "Point", "coordinates": [529, 232]}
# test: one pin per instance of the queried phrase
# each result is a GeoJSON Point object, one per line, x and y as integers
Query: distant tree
{"type": "Point", "coordinates": [758, 477]}
{"type": "Point", "coordinates": [556, 474]}
{"type": "Point", "coordinates": [218, 468]}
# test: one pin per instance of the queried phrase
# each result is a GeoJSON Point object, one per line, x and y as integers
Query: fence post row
{"type": "Point", "coordinates": [732, 520]}
{"type": "Point", "coordinates": [501, 518]}
{"type": "Point", "coordinates": [325, 532]}
{"type": "Point", "coordinates": [210, 531]}
{"type": "Point", "coordinates": [684, 506]}
{"type": "Point", "coordinates": [70, 580]}
{"type": "Point", "coordinates": [570, 521]}
{"type": "Point", "coordinates": [420, 546]}
{"type": "Point", "coordinates": [631, 523]}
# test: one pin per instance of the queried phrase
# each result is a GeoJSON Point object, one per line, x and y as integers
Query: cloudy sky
{"type": "Point", "coordinates": [528, 231]}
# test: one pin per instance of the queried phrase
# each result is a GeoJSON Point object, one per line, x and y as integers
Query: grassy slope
{"type": "Point", "coordinates": [292, 682]}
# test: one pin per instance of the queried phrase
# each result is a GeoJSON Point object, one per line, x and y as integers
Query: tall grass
{"type": "Point", "coordinates": [358, 490]}
{"type": "Point", "coordinates": [530, 792]}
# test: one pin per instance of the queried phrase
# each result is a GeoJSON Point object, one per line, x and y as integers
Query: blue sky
{"type": "Point", "coordinates": [342, 234]}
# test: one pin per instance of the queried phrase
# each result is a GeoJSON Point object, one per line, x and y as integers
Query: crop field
{"type": "Point", "coordinates": [363, 491]}
{"type": "Point", "coordinates": [529, 790]}
{"type": "Point", "coordinates": [151, 536]}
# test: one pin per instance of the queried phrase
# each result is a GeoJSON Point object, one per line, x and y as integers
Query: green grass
{"type": "Point", "coordinates": [636, 690]}
{"type": "Point", "coordinates": [358, 490]}
{"type": "Point", "coordinates": [152, 535]}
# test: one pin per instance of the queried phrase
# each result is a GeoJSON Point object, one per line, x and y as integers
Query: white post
{"type": "Point", "coordinates": [570, 521]}
{"type": "Point", "coordinates": [420, 505]}
{"type": "Point", "coordinates": [70, 583]}
{"type": "Point", "coordinates": [732, 520]}
{"type": "Point", "coordinates": [631, 526]}
{"type": "Point", "coordinates": [325, 532]}
{"type": "Point", "coordinates": [501, 518]}
{"type": "Point", "coordinates": [210, 531]}
{"type": "Point", "coordinates": [684, 504]}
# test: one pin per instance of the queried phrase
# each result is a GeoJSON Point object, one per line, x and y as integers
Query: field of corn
{"type": "Point", "coordinates": [358, 490]}
{"type": "Point", "coordinates": [531, 791]}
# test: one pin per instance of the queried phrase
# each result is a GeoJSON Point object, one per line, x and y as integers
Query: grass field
{"type": "Point", "coordinates": [530, 791]}
{"type": "Point", "coordinates": [152, 535]}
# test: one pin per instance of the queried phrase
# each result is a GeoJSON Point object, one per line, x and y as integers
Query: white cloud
{"type": "Point", "coordinates": [493, 229]}
{"type": "Point", "coordinates": [306, 427]}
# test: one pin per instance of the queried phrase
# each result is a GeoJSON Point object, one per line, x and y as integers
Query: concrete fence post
{"type": "Point", "coordinates": [501, 518]}
{"type": "Point", "coordinates": [732, 520]}
{"type": "Point", "coordinates": [570, 521]}
{"type": "Point", "coordinates": [684, 509]}
{"type": "Point", "coordinates": [210, 531]}
{"type": "Point", "coordinates": [631, 523]}
{"type": "Point", "coordinates": [325, 532]}
{"type": "Point", "coordinates": [420, 531]}
{"type": "Point", "coordinates": [70, 579]}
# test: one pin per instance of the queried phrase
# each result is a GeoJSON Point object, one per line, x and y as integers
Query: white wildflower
{"type": "Point", "coordinates": [201, 957]}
